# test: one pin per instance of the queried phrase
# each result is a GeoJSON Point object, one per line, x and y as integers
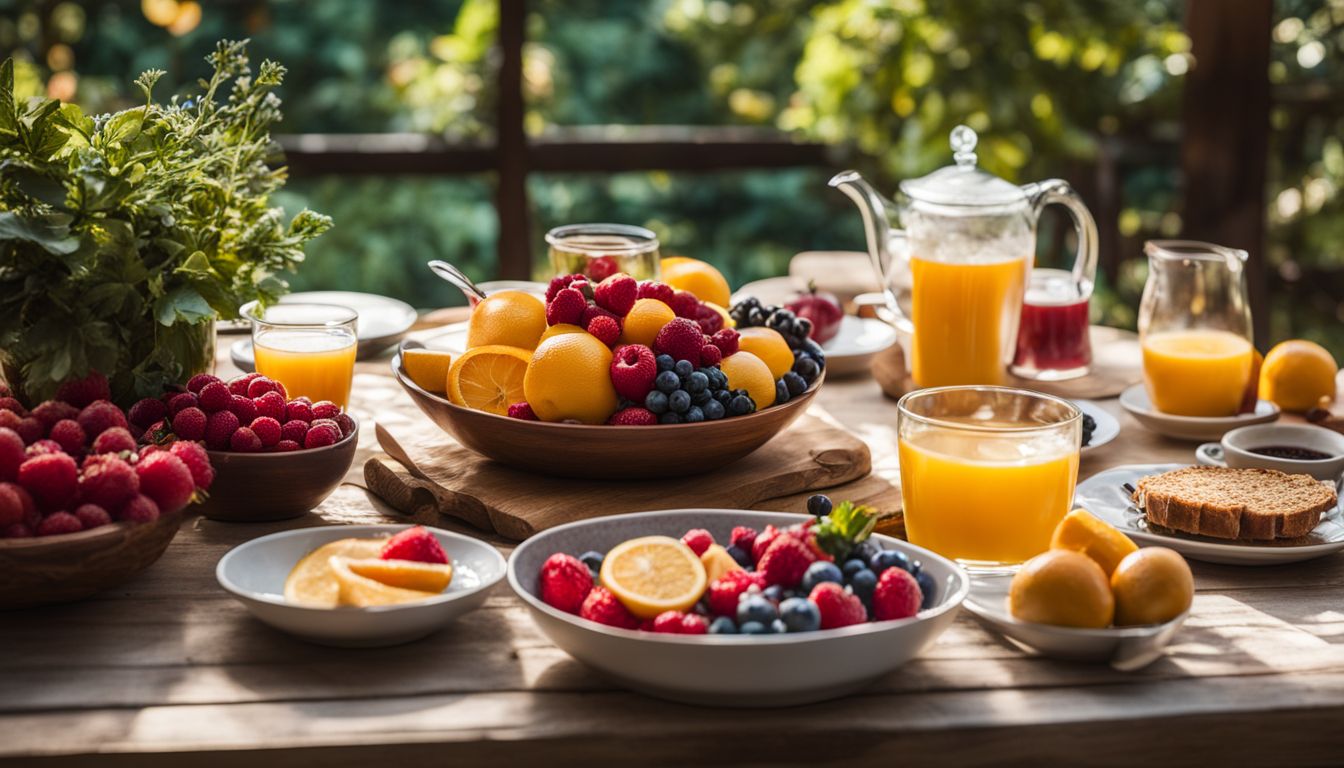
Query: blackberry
{"type": "Point", "coordinates": [1089, 426]}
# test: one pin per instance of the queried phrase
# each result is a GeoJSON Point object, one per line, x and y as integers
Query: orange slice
{"type": "Point", "coordinates": [717, 562]}
{"type": "Point", "coordinates": [653, 574]}
{"type": "Point", "coordinates": [1080, 531]}
{"type": "Point", "coordinates": [363, 592]}
{"type": "Point", "coordinates": [489, 378]}
{"type": "Point", "coordinates": [311, 582]}
{"type": "Point", "coordinates": [406, 574]}
{"type": "Point", "coordinates": [428, 368]}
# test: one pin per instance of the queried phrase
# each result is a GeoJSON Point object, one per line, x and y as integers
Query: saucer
{"type": "Point", "coordinates": [1135, 401]}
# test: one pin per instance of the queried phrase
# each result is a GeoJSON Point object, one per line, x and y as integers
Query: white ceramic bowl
{"type": "Point", "coordinates": [1237, 449]}
{"type": "Point", "coordinates": [729, 670]}
{"type": "Point", "coordinates": [255, 573]}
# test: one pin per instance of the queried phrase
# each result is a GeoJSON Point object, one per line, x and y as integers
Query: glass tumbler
{"type": "Point", "coordinates": [599, 251]}
{"type": "Point", "coordinates": [310, 348]}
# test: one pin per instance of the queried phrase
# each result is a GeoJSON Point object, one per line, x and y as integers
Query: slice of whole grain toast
{"type": "Point", "coordinates": [1229, 503]}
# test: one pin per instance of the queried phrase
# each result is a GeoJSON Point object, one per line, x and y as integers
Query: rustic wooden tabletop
{"type": "Point", "coordinates": [169, 670]}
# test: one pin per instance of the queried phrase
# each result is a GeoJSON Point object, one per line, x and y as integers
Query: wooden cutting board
{"type": "Point", "coordinates": [431, 475]}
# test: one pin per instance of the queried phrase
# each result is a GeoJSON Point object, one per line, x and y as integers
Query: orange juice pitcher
{"type": "Point", "coordinates": [960, 243]}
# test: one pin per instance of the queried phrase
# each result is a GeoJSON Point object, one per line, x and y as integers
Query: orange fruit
{"type": "Point", "coordinates": [489, 378]}
{"type": "Point", "coordinates": [1296, 374]}
{"type": "Point", "coordinates": [428, 368]}
{"type": "Point", "coordinates": [559, 329]}
{"type": "Point", "coordinates": [653, 574]}
{"type": "Point", "coordinates": [1081, 531]}
{"type": "Point", "coordinates": [311, 581]}
{"type": "Point", "coordinates": [363, 592]}
{"type": "Point", "coordinates": [770, 346]}
{"type": "Point", "coordinates": [406, 574]}
{"type": "Point", "coordinates": [747, 371]}
{"type": "Point", "coordinates": [717, 562]}
{"type": "Point", "coordinates": [1151, 586]}
{"type": "Point", "coordinates": [644, 321]}
{"type": "Point", "coordinates": [1063, 588]}
{"type": "Point", "coordinates": [508, 318]}
{"type": "Point", "coordinates": [697, 277]}
{"type": "Point", "coordinates": [569, 377]}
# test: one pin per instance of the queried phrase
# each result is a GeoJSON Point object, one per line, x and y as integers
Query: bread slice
{"type": "Point", "coordinates": [1223, 503]}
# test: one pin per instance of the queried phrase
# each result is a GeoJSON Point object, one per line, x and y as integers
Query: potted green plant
{"type": "Point", "coordinates": [123, 237]}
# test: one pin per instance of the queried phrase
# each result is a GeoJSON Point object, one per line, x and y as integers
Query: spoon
{"type": "Point", "coordinates": [455, 276]}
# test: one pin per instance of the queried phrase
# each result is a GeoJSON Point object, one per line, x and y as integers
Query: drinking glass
{"type": "Point", "coordinates": [310, 348]}
{"type": "Point", "coordinates": [601, 250]}
{"type": "Point", "coordinates": [1052, 340]}
{"type": "Point", "coordinates": [986, 472]}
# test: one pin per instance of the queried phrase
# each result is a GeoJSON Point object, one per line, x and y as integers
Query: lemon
{"type": "Point", "coordinates": [770, 346]}
{"type": "Point", "coordinates": [747, 371]}
{"type": "Point", "coordinates": [1296, 374]}
{"type": "Point", "coordinates": [405, 574]}
{"type": "Point", "coordinates": [508, 318]}
{"type": "Point", "coordinates": [644, 321]}
{"type": "Point", "coordinates": [653, 574]}
{"type": "Point", "coordinates": [1151, 586]}
{"type": "Point", "coordinates": [1063, 588]}
{"type": "Point", "coordinates": [363, 592]}
{"type": "Point", "coordinates": [569, 377]}
{"type": "Point", "coordinates": [428, 368]}
{"type": "Point", "coordinates": [489, 378]}
{"type": "Point", "coordinates": [311, 581]}
{"type": "Point", "coordinates": [1081, 531]}
{"type": "Point", "coordinates": [697, 277]}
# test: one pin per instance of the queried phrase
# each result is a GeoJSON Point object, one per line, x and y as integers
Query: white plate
{"type": "Point", "coordinates": [1107, 425]}
{"type": "Point", "coordinates": [1124, 648]}
{"type": "Point", "coordinates": [255, 573]}
{"type": "Point", "coordinates": [729, 670]}
{"type": "Point", "coordinates": [1103, 495]}
{"type": "Point", "coordinates": [852, 349]}
{"type": "Point", "coordinates": [1135, 400]}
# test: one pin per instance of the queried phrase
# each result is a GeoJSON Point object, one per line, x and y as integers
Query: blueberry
{"type": "Point", "coordinates": [723, 396]}
{"type": "Point", "coordinates": [915, 568]}
{"type": "Point", "coordinates": [864, 551]}
{"type": "Point", "coordinates": [781, 392]}
{"type": "Point", "coordinates": [667, 382]}
{"type": "Point", "coordinates": [802, 327]}
{"type": "Point", "coordinates": [778, 627]}
{"type": "Point", "coordinates": [670, 418]}
{"type": "Point", "coordinates": [593, 560]}
{"type": "Point", "coordinates": [700, 398]}
{"type": "Point", "coordinates": [774, 593]}
{"type": "Point", "coordinates": [927, 587]}
{"type": "Point", "coordinates": [795, 383]}
{"type": "Point", "coordinates": [714, 410]}
{"type": "Point", "coordinates": [807, 368]}
{"type": "Point", "coordinates": [665, 362]}
{"type": "Point", "coordinates": [679, 401]}
{"type": "Point", "coordinates": [853, 566]}
{"type": "Point", "coordinates": [697, 382]}
{"type": "Point", "coordinates": [657, 402]}
{"type": "Point", "coordinates": [742, 557]}
{"type": "Point", "coordinates": [781, 320]}
{"type": "Point", "coordinates": [756, 317]}
{"type": "Point", "coordinates": [819, 505]}
{"type": "Point", "coordinates": [722, 625]}
{"type": "Point", "coordinates": [890, 558]}
{"type": "Point", "coordinates": [717, 378]}
{"type": "Point", "coordinates": [813, 350]}
{"type": "Point", "coordinates": [683, 368]}
{"type": "Point", "coordinates": [740, 405]}
{"type": "Point", "coordinates": [754, 628]}
{"type": "Point", "coordinates": [819, 572]}
{"type": "Point", "coordinates": [863, 583]}
{"type": "Point", "coordinates": [694, 415]}
{"type": "Point", "coordinates": [800, 615]}
{"type": "Point", "coordinates": [755, 608]}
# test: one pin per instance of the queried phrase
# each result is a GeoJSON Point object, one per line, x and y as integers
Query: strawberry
{"type": "Point", "coordinates": [600, 268]}
{"type": "Point", "coordinates": [725, 591]}
{"type": "Point", "coordinates": [81, 392]}
{"type": "Point", "coordinates": [522, 411]}
{"type": "Point", "coordinates": [100, 416]}
{"type": "Point", "coordinates": [742, 537]}
{"type": "Point", "coordinates": [190, 424]}
{"type": "Point", "coordinates": [57, 523]}
{"type": "Point", "coordinates": [139, 509]}
{"type": "Point", "coordinates": [602, 607]}
{"type": "Point", "coordinates": [11, 453]}
{"type": "Point", "coordinates": [197, 460]}
{"type": "Point", "coordinates": [680, 338]}
{"type": "Point", "coordinates": [897, 595]}
{"type": "Point", "coordinates": [634, 416]}
{"type": "Point", "coordinates": [166, 480]}
{"type": "Point", "coordinates": [726, 340]}
{"type": "Point", "coordinates": [198, 382]}
{"type": "Point", "coordinates": [668, 622]}
{"type": "Point", "coordinates": [698, 539]}
{"type": "Point", "coordinates": [839, 607]}
{"type": "Point", "coordinates": [52, 479]}
{"type": "Point", "coordinates": [418, 544]}
{"type": "Point", "coordinates": [606, 329]}
{"type": "Point", "coordinates": [785, 561]}
{"type": "Point", "coordinates": [114, 440]}
{"type": "Point", "coordinates": [52, 411]}
{"type": "Point", "coordinates": [650, 289]}
{"type": "Point", "coordinates": [108, 481]}
{"type": "Point", "coordinates": [559, 283]}
{"type": "Point", "coordinates": [566, 307]}
{"type": "Point", "coordinates": [633, 369]}
{"type": "Point", "coordinates": [617, 294]}
{"type": "Point", "coordinates": [694, 624]}
{"type": "Point", "coordinates": [763, 541]}
{"type": "Point", "coordinates": [565, 582]}
{"type": "Point", "coordinates": [708, 318]}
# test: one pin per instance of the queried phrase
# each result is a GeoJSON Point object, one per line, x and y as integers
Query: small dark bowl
{"type": "Point", "coordinates": [263, 487]}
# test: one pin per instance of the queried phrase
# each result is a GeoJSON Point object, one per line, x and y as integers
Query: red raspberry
{"type": "Point", "coordinates": [726, 340]}
{"type": "Point", "coordinates": [10, 420]}
{"type": "Point", "coordinates": [522, 411]}
{"type": "Point", "coordinates": [600, 268]}
{"type": "Point", "coordinates": [415, 543]}
{"type": "Point", "coordinates": [270, 403]}
{"type": "Point", "coordinates": [285, 446]}
{"type": "Point", "coordinates": [181, 401]}
{"type": "Point", "coordinates": [607, 330]}
{"type": "Point", "coordinates": [681, 339]}
{"type": "Point", "coordinates": [166, 480]}
{"type": "Point", "coordinates": [602, 607]}
{"type": "Point", "coordinates": [743, 538]}
{"type": "Point", "coordinates": [591, 311]}
{"type": "Point", "coordinates": [13, 405]}
{"type": "Point", "coordinates": [219, 427]}
{"type": "Point", "coordinates": [260, 386]}
{"type": "Point", "coordinates": [190, 424]}
{"type": "Point", "coordinates": [243, 407]}
{"type": "Point", "coordinates": [649, 289]}
{"type": "Point", "coordinates": [11, 506]}
{"type": "Point", "coordinates": [838, 606]}
{"type": "Point", "coordinates": [564, 582]}
{"type": "Point", "coordinates": [52, 411]}
{"type": "Point", "coordinates": [244, 440]}
{"type": "Point", "coordinates": [59, 522]}
{"type": "Point", "coordinates": [81, 392]}
{"type": "Point", "coordinates": [725, 591]}
{"type": "Point", "coordinates": [267, 430]}
{"type": "Point", "coordinates": [114, 440]}
{"type": "Point", "coordinates": [197, 461]}
{"type": "Point", "coordinates": [785, 561]}
{"type": "Point", "coordinates": [763, 542]}
{"type": "Point", "coordinates": [566, 307]}
{"type": "Point", "coordinates": [685, 304]}
{"type": "Point", "coordinates": [31, 430]}
{"type": "Point", "coordinates": [31, 515]}
{"type": "Point", "coordinates": [633, 370]}
{"type": "Point", "coordinates": [325, 409]}
{"type": "Point", "coordinates": [710, 355]}
{"type": "Point", "coordinates": [321, 435]}
{"type": "Point", "coordinates": [214, 396]}
{"type": "Point", "coordinates": [139, 509]}
{"type": "Point", "coordinates": [347, 424]}
{"type": "Point", "coordinates": [107, 481]}
{"type": "Point", "coordinates": [698, 539]}
{"type": "Point", "coordinates": [559, 283]}
{"type": "Point", "coordinates": [100, 416]}
{"type": "Point", "coordinates": [294, 430]}
{"type": "Point", "coordinates": [196, 383]}
{"type": "Point", "coordinates": [238, 386]}
{"type": "Point", "coordinates": [617, 294]}
{"type": "Point", "coordinates": [325, 423]}
{"type": "Point", "coordinates": [51, 478]}
{"type": "Point", "coordinates": [69, 435]}
{"type": "Point", "coordinates": [146, 412]}
{"type": "Point", "coordinates": [298, 410]}
{"type": "Point", "coordinates": [92, 516]}
{"type": "Point", "coordinates": [694, 624]}
{"type": "Point", "coordinates": [11, 453]}
{"type": "Point", "coordinates": [43, 446]}
{"type": "Point", "coordinates": [634, 416]}
{"type": "Point", "coordinates": [17, 531]}
{"type": "Point", "coordinates": [897, 595]}
{"type": "Point", "coordinates": [708, 318]}
{"type": "Point", "coordinates": [671, 622]}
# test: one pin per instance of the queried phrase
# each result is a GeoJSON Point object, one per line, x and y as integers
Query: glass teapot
{"type": "Point", "coordinates": [964, 241]}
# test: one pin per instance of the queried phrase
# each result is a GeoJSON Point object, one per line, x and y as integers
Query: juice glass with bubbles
{"type": "Point", "coordinates": [310, 348]}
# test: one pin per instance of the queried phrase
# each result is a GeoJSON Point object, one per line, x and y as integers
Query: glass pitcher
{"type": "Point", "coordinates": [1195, 329]}
{"type": "Point", "coordinates": [964, 240]}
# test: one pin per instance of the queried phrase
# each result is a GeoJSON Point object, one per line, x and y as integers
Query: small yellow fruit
{"type": "Point", "coordinates": [653, 574]}
{"type": "Point", "coordinates": [489, 378]}
{"type": "Point", "coordinates": [1081, 531]}
{"type": "Point", "coordinates": [747, 371]}
{"type": "Point", "coordinates": [508, 318]}
{"type": "Point", "coordinates": [428, 368]}
{"type": "Point", "coordinates": [698, 277]}
{"type": "Point", "coordinates": [311, 581]}
{"type": "Point", "coordinates": [717, 562]}
{"type": "Point", "coordinates": [559, 330]}
{"type": "Point", "coordinates": [1296, 374]}
{"type": "Point", "coordinates": [644, 321]}
{"type": "Point", "coordinates": [770, 346]}
{"type": "Point", "coordinates": [405, 574]}
{"type": "Point", "coordinates": [363, 592]}
{"type": "Point", "coordinates": [1152, 586]}
{"type": "Point", "coordinates": [1063, 588]}
{"type": "Point", "coordinates": [569, 377]}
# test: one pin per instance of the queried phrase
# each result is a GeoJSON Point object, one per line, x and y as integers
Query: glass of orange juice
{"type": "Point", "coordinates": [1195, 329]}
{"type": "Point", "coordinates": [986, 472]}
{"type": "Point", "coordinates": [310, 348]}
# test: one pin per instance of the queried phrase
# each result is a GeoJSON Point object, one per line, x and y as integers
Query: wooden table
{"type": "Point", "coordinates": [169, 670]}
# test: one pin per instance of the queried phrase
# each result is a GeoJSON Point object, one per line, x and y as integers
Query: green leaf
{"type": "Point", "coordinates": [182, 304]}
{"type": "Point", "coordinates": [50, 232]}
{"type": "Point", "coordinates": [124, 126]}
{"type": "Point", "coordinates": [9, 125]}
{"type": "Point", "coordinates": [196, 265]}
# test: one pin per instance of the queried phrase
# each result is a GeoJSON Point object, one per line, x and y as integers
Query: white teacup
{"type": "Point", "coordinates": [1239, 449]}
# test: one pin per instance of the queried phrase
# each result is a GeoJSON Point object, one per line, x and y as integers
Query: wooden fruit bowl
{"type": "Point", "coordinates": [606, 452]}
{"type": "Point", "coordinates": [72, 566]}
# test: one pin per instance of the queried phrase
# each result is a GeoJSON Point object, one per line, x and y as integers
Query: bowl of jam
{"type": "Point", "coordinates": [1292, 448]}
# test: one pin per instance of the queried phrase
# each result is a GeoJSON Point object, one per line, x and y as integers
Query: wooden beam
{"type": "Point", "coordinates": [515, 254]}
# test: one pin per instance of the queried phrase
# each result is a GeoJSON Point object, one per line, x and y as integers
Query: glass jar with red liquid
{"type": "Point", "coordinates": [1052, 337]}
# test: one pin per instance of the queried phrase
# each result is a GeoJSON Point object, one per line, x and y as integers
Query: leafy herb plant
{"type": "Point", "coordinates": [123, 236]}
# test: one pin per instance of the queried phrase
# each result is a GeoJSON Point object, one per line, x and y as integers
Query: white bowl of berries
{"type": "Point", "coordinates": [764, 615]}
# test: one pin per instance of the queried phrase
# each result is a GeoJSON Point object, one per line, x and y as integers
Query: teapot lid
{"type": "Point", "coordinates": [963, 183]}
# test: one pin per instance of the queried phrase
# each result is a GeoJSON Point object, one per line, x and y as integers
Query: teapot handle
{"type": "Point", "coordinates": [1058, 191]}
